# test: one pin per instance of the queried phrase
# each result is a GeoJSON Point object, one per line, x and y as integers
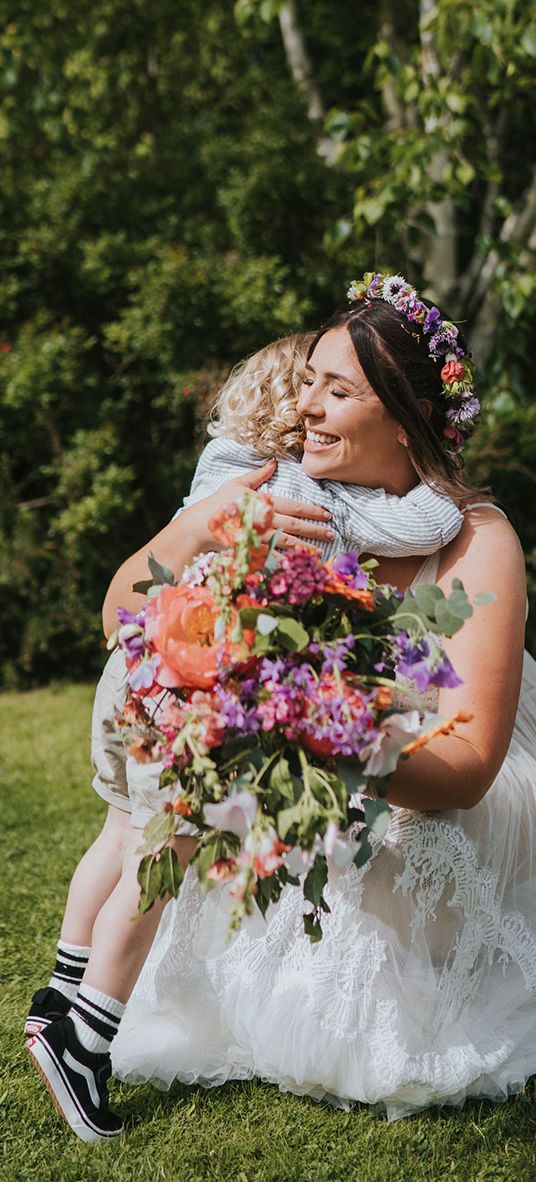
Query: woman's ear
{"type": "Point", "coordinates": [426, 407]}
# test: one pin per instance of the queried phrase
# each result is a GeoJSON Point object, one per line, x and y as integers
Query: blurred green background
{"type": "Point", "coordinates": [182, 182]}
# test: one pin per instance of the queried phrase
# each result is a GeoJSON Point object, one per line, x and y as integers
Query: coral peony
{"type": "Point", "coordinates": [180, 628]}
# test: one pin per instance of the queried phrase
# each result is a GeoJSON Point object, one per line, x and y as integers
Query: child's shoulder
{"type": "Point", "coordinates": [223, 448]}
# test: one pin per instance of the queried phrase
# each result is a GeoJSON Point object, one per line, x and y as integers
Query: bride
{"type": "Point", "coordinates": [423, 988]}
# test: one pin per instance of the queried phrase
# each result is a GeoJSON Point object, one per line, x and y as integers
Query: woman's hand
{"type": "Point", "coordinates": [188, 535]}
{"type": "Point", "coordinates": [294, 519]}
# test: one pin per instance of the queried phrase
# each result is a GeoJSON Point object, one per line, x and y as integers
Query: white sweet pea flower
{"type": "Point", "coordinates": [298, 861]}
{"type": "Point", "coordinates": [236, 814]}
{"type": "Point", "coordinates": [266, 624]}
{"type": "Point", "coordinates": [126, 631]}
{"type": "Point", "coordinates": [338, 847]}
{"type": "Point", "coordinates": [219, 629]}
{"type": "Point", "coordinates": [394, 732]}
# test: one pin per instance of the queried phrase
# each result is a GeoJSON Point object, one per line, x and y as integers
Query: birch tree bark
{"type": "Point", "coordinates": [301, 70]}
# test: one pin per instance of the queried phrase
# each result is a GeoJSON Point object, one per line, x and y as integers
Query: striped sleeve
{"type": "Point", "coordinates": [379, 523]}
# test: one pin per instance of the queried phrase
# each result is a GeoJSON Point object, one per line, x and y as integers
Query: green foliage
{"type": "Point", "coordinates": [164, 211]}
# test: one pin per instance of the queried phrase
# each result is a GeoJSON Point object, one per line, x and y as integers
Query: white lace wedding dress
{"type": "Point", "coordinates": [422, 990]}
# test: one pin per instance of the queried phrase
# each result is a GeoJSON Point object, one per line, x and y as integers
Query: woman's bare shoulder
{"type": "Point", "coordinates": [486, 541]}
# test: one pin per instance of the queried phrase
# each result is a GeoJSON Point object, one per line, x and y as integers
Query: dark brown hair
{"type": "Point", "coordinates": [393, 354]}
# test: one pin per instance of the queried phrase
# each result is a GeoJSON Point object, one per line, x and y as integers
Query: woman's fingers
{"type": "Point", "coordinates": [300, 509]}
{"type": "Point", "coordinates": [258, 475]}
{"type": "Point", "coordinates": [287, 542]}
{"type": "Point", "coordinates": [297, 527]}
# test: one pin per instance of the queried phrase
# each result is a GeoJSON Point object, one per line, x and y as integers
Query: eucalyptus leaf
{"type": "Point", "coordinates": [448, 622]}
{"type": "Point", "coordinates": [377, 813]}
{"type": "Point", "coordinates": [484, 597]}
{"type": "Point", "coordinates": [427, 598]}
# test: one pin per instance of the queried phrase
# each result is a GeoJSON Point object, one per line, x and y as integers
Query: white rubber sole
{"type": "Point", "coordinates": [65, 1100]}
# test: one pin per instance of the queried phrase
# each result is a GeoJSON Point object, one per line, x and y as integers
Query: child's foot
{"type": "Point", "coordinates": [76, 1079]}
{"type": "Point", "coordinates": [47, 1005]}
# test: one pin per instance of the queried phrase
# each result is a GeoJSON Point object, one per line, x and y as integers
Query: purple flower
{"type": "Point", "coordinates": [336, 654]}
{"type": "Point", "coordinates": [425, 664]}
{"type": "Point", "coordinates": [463, 411]}
{"type": "Point", "coordinates": [375, 284]}
{"type": "Point", "coordinates": [347, 566]}
{"type": "Point", "coordinates": [432, 321]}
{"type": "Point", "coordinates": [126, 617]}
{"type": "Point", "coordinates": [443, 341]}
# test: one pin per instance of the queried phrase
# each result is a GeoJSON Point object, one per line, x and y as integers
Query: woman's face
{"type": "Point", "coordinates": [350, 436]}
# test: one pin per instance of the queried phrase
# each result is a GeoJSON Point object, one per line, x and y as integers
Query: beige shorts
{"type": "Point", "coordinates": [119, 779]}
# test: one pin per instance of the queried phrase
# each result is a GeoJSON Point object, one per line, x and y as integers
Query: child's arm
{"type": "Point", "coordinates": [376, 522]}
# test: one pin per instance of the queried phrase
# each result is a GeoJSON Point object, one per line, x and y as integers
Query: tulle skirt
{"type": "Point", "coordinates": [422, 990]}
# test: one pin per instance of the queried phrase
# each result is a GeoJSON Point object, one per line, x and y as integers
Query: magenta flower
{"type": "Point", "coordinates": [299, 578]}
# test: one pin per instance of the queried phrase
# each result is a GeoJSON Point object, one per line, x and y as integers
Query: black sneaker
{"type": "Point", "coordinates": [76, 1080]}
{"type": "Point", "coordinates": [47, 1005]}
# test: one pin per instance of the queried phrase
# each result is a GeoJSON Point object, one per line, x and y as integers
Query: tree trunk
{"type": "Point", "coordinates": [301, 70]}
{"type": "Point", "coordinates": [440, 253]}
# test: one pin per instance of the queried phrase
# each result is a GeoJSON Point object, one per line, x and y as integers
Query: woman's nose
{"type": "Point", "coordinates": [309, 402]}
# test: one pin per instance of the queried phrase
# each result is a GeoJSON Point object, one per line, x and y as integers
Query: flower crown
{"type": "Point", "coordinates": [457, 373]}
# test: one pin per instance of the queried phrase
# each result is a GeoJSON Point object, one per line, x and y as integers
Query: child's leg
{"type": "Point", "coordinates": [120, 944]}
{"type": "Point", "coordinates": [72, 1053]}
{"type": "Point", "coordinates": [95, 877]}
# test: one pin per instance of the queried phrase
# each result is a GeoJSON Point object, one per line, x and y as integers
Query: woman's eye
{"type": "Point", "coordinates": [307, 382]}
{"type": "Point", "coordinates": [338, 393]}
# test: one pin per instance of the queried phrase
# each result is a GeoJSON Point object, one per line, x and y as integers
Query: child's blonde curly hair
{"type": "Point", "coordinates": [257, 403]}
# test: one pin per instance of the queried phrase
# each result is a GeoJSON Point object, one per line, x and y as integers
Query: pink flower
{"type": "Point", "coordinates": [222, 871]}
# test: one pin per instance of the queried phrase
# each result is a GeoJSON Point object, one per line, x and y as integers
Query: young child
{"type": "Point", "coordinates": [255, 416]}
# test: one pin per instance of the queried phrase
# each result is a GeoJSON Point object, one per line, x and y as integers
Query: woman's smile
{"type": "Point", "coordinates": [318, 440]}
{"type": "Point", "coordinates": [349, 433]}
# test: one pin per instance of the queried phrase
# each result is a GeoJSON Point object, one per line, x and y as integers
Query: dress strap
{"type": "Point", "coordinates": [485, 505]}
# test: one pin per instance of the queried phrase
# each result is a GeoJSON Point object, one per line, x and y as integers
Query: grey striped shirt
{"type": "Point", "coordinates": [363, 519]}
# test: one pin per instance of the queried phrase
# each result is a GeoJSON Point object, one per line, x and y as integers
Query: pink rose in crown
{"type": "Point", "coordinates": [453, 371]}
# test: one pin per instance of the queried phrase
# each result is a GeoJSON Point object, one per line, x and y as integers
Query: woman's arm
{"type": "Point", "coordinates": [455, 771]}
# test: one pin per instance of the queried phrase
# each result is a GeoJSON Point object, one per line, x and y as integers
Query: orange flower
{"type": "Point", "coordinates": [383, 698]}
{"type": "Point", "coordinates": [444, 728]}
{"type": "Point", "coordinates": [226, 524]}
{"type": "Point", "coordinates": [180, 628]}
{"type": "Point", "coordinates": [338, 586]}
{"type": "Point", "coordinates": [453, 371]}
{"type": "Point", "coordinates": [181, 807]}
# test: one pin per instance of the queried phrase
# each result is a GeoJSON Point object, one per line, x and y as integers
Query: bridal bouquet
{"type": "Point", "coordinates": [263, 683]}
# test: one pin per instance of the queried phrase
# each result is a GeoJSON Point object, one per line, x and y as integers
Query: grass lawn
{"type": "Point", "coordinates": [240, 1133]}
